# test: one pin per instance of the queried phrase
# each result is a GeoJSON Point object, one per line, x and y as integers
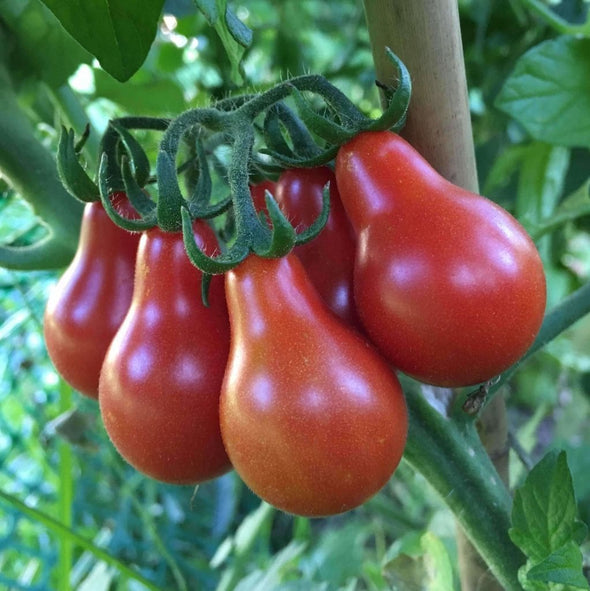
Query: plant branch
{"type": "Point", "coordinates": [455, 463]}
{"type": "Point", "coordinates": [31, 170]}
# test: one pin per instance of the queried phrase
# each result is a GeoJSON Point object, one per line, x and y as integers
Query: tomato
{"type": "Point", "coordinates": [313, 419]}
{"type": "Point", "coordinates": [161, 378]}
{"type": "Point", "coordinates": [448, 285]}
{"type": "Point", "coordinates": [329, 258]}
{"type": "Point", "coordinates": [91, 298]}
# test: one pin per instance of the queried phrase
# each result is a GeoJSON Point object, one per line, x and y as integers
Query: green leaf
{"type": "Point", "coordinates": [119, 33]}
{"type": "Point", "coordinates": [544, 508]}
{"type": "Point", "coordinates": [234, 34]}
{"type": "Point", "coordinates": [274, 573]}
{"type": "Point", "coordinates": [251, 527]}
{"type": "Point", "coordinates": [422, 559]}
{"type": "Point", "coordinates": [337, 555]}
{"type": "Point", "coordinates": [439, 570]}
{"type": "Point", "coordinates": [549, 92]}
{"type": "Point", "coordinates": [545, 526]}
{"type": "Point", "coordinates": [541, 180]}
{"type": "Point", "coordinates": [238, 30]}
{"type": "Point", "coordinates": [574, 206]}
{"type": "Point", "coordinates": [209, 10]}
{"type": "Point", "coordinates": [153, 97]}
{"type": "Point", "coordinates": [42, 48]}
{"type": "Point", "coordinates": [562, 566]}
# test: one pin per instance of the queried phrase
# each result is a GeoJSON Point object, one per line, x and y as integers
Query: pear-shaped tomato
{"type": "Point", "coordinates": [89, 302]}
{"type": "Point", "coordinates": [329, 258]}
{"type": "Point", "coordinates": [313, 419]}
{"type": "Point", "coordinates": [161, 378]}
{"type": "Point", "coordinates": [448, 285]}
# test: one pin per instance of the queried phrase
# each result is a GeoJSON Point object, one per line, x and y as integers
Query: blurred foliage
{"type": "Point", "coordinates": [220, 536]}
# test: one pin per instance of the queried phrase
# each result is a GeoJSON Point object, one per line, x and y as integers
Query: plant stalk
{"type": "Point", "coordinates": [457, 466]}
{"type": "Point", "coordinates": [31, 170]}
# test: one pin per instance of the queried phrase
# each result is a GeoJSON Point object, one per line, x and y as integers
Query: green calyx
{"type": "Point", "coordinates": [206, 153]}
{"type": "Point", "coordinates": [71, 173]}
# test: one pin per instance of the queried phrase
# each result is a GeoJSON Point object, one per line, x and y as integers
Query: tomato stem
{"type": "Point", "coordinates": [452, 458]}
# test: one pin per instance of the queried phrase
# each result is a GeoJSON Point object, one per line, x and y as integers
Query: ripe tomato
{"type": "Point", "coordinates": [161, 378]}
{"type": "Point", "coordinates": [90, 300]}
{"type": "Point", "coordinates": [448, 284]}
{"type": "Point", "coordinates": [313, 419]}
{"type": "Point", "coordinates": [329, 258]}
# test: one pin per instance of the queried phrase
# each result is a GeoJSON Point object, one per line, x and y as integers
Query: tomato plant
{"type": "Point", "coordinates": [312, 418]}
{"type": "Point", "coordinates": [90, 300]}
{"type": "Point", "coordinates": [447, 283]}
{"type": "Point", "coordinates": [161, 379]}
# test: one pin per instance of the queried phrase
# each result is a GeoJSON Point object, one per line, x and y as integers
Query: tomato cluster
{"type": "Point", "coordinates": [286, 376]}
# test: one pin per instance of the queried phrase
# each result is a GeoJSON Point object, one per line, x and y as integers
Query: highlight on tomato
{"type": "Point", "coordinates": [90, 300]}
{"type": "Point", "coordinates": [161, 378]}
{"type": "Point", "coordinates": [313, 419]}
{"type": "Point", "coordinates": [448, 284]}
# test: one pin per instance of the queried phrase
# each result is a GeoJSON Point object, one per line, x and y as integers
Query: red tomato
{"type": "Point", "coordinates": [448, 284]}
{"type": "Point", "coordinates": [90, 300]}
{"type": "Point", "coordinates": [312, 418]}
{"type": "Point", "coordinates": [161, 378]}
{"type": "Point", "coordinates": [329, 258]}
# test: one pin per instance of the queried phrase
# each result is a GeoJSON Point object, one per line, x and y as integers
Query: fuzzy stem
{"type": "Point", "coordinates": [457, 466]}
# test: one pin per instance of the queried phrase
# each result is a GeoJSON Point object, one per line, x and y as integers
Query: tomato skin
{"type": "Point", "coordinates": [448, 285]}
{"type": "Point", "coordinates": [329, 258]}
{"type": "Point", "coordinates": [90, 300]}
{"type": "Point", "coordinates": [313, 419]}
{"type": "Point", "coordinates": [161, 378]}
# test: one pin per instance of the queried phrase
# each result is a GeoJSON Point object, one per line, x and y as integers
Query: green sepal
{"type": "Point", "coordinates": [338, 102]}
{"type": "Point", "coordinates": [282, 238]}
{"type": "Point", "coordinates": [213, 210]}
{"type": "Point", "coordinates": [199, 200]}
{"type": "Point", "coordinates": [303, 142]}
{"type": "Point", "coordinates": [321, 126]}
{"type": "Point", "coordinates": [209, 265]}
{"type": "Point", "coordinates": [71, 173]}
{"type": "Point", "coordinates": [398, 100]}
{"type": "Point", "coordinates": [79, 145]}
{"type": "Point", "coordinates": [136, 153]}
{"type": "Point", "coordinates": [273, 134]}
{"type": "Point", "coordinates": [261, 169]}
{"type": "Point", "coordinates": [205, 285]}
{"type": "Point", "coordinates": [136, 195]}
{"type": "Point", "coordinates": [318, 224]}
{"type": "Point", "coordinates": [283, 162]}
{"type": "Point", "coordinates": [139, 225]}
{"type": "Point", "coordinates": [170, 199]}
